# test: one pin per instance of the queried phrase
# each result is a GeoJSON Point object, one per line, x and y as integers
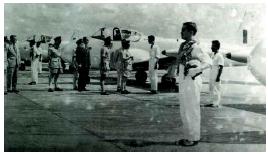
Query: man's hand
{"type": "Point", "coordinates": [193, 71]}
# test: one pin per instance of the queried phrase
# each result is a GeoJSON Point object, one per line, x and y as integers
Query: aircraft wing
{"type": "Point", "coordinates": [236, 60]}
{"type": "Point", "coordinates": [164, 62]}
{"type": "Point", "coordinates": [170, 59]}
{"type": "Point", "coordinates": [231, 63]}
{"type": "Point", "coordinates": [229, 59]}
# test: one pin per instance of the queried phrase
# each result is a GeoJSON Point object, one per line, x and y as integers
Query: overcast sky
{"type": "Point", "coordinates": [214, 20]}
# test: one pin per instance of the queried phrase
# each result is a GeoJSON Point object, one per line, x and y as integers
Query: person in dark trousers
{"type": "Point", "coordinates": [82, 57]}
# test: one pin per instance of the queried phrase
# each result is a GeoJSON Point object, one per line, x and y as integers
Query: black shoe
{"type": "Point", "coordinates": [186, 143]}
{"type": "Point", "coordinates": [15, 91]}
{"type": "Point", "coordinates": [85, 89]}
{"type": "Point", "coordinates": [58, 89]}
{"type": "Point", "coordinates": [208, 105]}
{"type": "Point", "coordinates": [154, 92]}
{"type": "Point", "coordinates": [213, 105]}
{"type": "Point", "coordinates": [125, 92]}
{"type": "Point", "coordinates": [6, 93]}
{"type": "Point", "coordinates": [75, 88]}
{"type": "Point", "coordinates": [104, 93]}
{"type": "Point", "coordinates": [32, 83]}
{"type": "Point", "coordinates": [9, 91]}
{"type": "Point", "coordinates": [50, 90]}
{"type": "Point", "coordinates": [118, 90]}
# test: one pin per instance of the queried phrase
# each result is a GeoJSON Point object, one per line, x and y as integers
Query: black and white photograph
{"type": "Point", "coordinates": [134, 77]}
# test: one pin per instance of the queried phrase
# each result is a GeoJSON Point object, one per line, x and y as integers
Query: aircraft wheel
{"type": "Point", "coordinates": [167, 81]}
{"type": "Point", "coordinates": [141, 77]}
{"type": "Point", "coordinates": [22, 66]}
{"type": "Point", "coordinates": [27, 62]}
{"type": "Point", "coordinates": [71, 69]}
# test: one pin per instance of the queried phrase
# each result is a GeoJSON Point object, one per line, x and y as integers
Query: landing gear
{"type": "Point", "coordinates": [22, 66]}
{"type": "Point", "coordinates": [71, 69]}
{"type": "Point", "coordinates": [27, 62]}
{"type": "Point", "coordinates": [63, 66]}
{"type": "Point", "coordinates": [141, 77]}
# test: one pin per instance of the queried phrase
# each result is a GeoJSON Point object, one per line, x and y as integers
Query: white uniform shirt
{"type": "Point", "coordinates": [154, 53]}
{"type": "Point", "coordinates": [36, 53]}
{"type": "Point", "coordinates": [197, 53]}
{"type": "Point", "coordinates": [217, 59]}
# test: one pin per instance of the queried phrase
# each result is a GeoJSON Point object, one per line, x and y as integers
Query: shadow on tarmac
{"type": "Point", "coordinates": [253, 137]}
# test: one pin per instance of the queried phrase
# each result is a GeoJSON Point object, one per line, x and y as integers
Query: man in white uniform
{"type": "Point", "coordinates": [215, 74]}
{"type": "Point", "coordinates": [153, 63]}
{"type": "Point", "coordinates": [35, 53]}
{"type": "Point", "coordinates": [191, 62]}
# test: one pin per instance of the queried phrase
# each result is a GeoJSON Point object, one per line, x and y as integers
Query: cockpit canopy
{"type": "Point", "coordinates": [117, 34]}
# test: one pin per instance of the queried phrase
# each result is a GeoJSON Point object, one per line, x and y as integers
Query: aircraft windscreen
{"type": "Point", "coordinates": [125, 34]}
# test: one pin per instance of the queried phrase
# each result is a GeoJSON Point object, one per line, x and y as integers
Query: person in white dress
{"type": "Point", "coordinates": [191, 62]}
{"type": "Point", "coordinates": [154, 52]}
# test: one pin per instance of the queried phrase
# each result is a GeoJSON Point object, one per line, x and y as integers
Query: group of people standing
{"type": "Point", "coordinates": [81, 63]}
{"type": "Point", "coordinates": [123, 64]}
{"type": "Point", "coordinates": [191, 60]}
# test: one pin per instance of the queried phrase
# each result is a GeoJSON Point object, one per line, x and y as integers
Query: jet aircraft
{"type": "Point", "coordinates": [139, 48]}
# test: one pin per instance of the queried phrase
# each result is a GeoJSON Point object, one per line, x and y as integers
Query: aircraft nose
{"type": "Point", "coordinates": [257, 62]}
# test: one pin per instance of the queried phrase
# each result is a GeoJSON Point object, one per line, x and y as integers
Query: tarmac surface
{"type": "Point", "coordinates": [36, 120]}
